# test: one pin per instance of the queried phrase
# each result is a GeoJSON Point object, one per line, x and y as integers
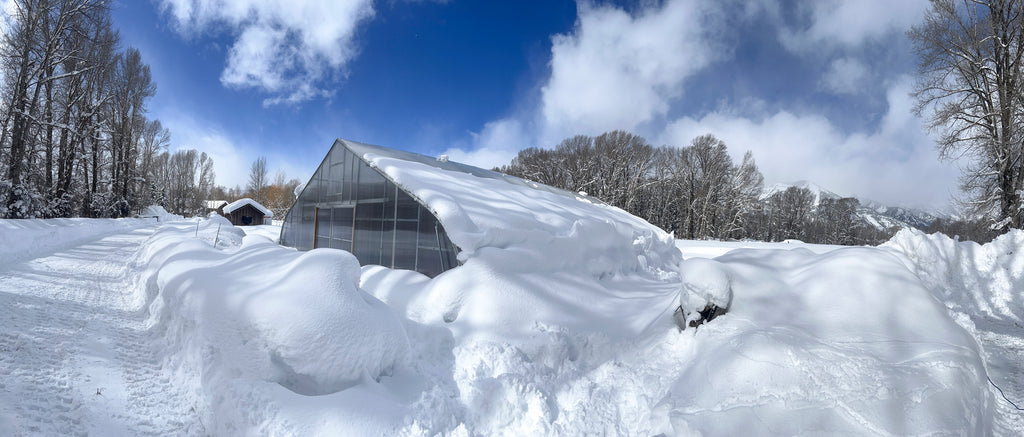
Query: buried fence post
{"type": "Point", "coordinates": [215, 238]}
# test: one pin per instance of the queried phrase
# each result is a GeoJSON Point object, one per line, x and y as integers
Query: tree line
{"type": "Point", "coordinates": [74, 136]}
{"type": "Point", "coordinates": [277, 194]}
{"type": "Point", "coordinates": [696, 191]}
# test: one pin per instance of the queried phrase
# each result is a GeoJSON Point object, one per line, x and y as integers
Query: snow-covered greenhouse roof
{"type": "Point", "coordinates": [231, 207]}
{"type": "Point", "coordinates": [482, 208]}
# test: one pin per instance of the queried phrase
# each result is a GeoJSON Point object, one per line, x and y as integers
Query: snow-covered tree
{"type": "Point", "coordinates": [970, 87]}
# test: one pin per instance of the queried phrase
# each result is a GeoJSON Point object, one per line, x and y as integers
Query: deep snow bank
{"type": "Point", "coordinates": [984, 280]}
{"type": "Point", "coordinates": [521, 341]}
{"type": "Point", "coordinates": [29, 238]}
{"type": "Point", "coordinates": [846, 341]}
{"type": "Point", "coordinates": [256, 328]}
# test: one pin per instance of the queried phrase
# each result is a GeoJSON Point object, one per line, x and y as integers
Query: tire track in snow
{"type": "Point", "coordinates": [75, 357]}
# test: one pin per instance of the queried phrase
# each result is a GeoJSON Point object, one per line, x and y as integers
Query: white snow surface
{"type": "Point", "coordinates": [244, 337]}
{"type": "Point", "coordinates": [30, 238]}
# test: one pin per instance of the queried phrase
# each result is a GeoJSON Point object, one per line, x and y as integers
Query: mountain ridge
{"type": "Point", "coordinates": [871, 213]}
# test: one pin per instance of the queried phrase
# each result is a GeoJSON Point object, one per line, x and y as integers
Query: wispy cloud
{"type": "Point", "coordinates": [848, 23]}
{"type": "Point", "coordinates": [288, 50]}
{"type": "Point", "coordinates": [231, 159]}
{"type": "Point", "coordinates": [896, 163]}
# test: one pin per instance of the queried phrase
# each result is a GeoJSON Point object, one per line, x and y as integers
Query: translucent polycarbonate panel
{"type": "Point", "coordinates": [448, 254]}
{"type": "Point", "coordinates": [405, 245]}
{"type": "Point", "coordinates": [368, 233]}
{"type": "Point", "coordinates": [390, 200]}
{"type": "Point", "coordinates": [342, 225]}
{"type": "Point", "coordinates": [351, 176]}
{"type": "Point", "coordinates": [371, 184]}
{"type": "Point", "coordinates": [335, 177]}
{"type": "Point", "coordinates": [349, 205]}
{"type": "Point", "coordinates": [323, 226]}
{"type": "Point", "coordinates": [407, 207]}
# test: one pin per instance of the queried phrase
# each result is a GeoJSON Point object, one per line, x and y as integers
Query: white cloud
{"type": "Point", "coordinates": [845, 76]}
{"type": "Point", "coordinates": [286, 49]}
{"type": "Point", "coordinates": [617, 71]}
{"type": "Point", "coordinates": [231, 161]}
{"type": "Point", "coordinates": [894, 164]}
{"type": "Point", "coordinates": [851, 23]}
{"type": "Point", "coordinates": [229, 164]}
{"type": "Point", "coordinates": [495, 145]}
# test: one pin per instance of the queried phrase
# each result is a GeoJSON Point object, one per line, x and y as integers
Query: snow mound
{"type": "Point", "coordinates": [235, 321]}
{"type": "Point", "coordinates": [847, 341]}
{"type": "Point", "coordinates": [705, 282]}
{"type": "Point", "coordinates": [985, 280]}
{"type": "Point", "coordinates": [160, 213]}
{"type": "Point", "coordinates": [525, 339]}
{"type": "Point", "coordinates": [844, 342]}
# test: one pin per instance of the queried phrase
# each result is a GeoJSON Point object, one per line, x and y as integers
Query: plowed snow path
{"type": "Point", "coordinates": [75, 358]}
{"type": "Point", "coordinates": [1004, 355]}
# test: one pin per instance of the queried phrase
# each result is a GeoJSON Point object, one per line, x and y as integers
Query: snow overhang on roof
{"type": "Point", "coordinates": [231, 207]}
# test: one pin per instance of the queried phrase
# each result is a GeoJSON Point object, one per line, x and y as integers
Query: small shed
{"type": "Point", "coordinates": [216, 206]}
{"type": "Point", "coordinates": [246, 212]}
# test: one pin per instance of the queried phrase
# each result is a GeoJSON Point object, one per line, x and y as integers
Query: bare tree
{"type": "Point", "coordinates": [970, 86]}
{"type": "Point", "coordinates": [132, 86]}
{"type": "Point", "coordinates": [791, 213]}
{"type": "Point", "coordinates": [258, 179]}
{"type": "Point", "coordinates": [155, 139]}
{"type": "Point", "coordinates": [706, 172]}
{"type": "Point", "coordinates": [745, 185]}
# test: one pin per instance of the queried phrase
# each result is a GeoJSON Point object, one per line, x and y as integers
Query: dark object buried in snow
{"type": "Point", "coordinates": [706, 315]}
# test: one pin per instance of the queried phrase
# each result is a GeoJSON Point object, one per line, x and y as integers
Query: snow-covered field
{"type": "Point", "coordinates": [193, 327]}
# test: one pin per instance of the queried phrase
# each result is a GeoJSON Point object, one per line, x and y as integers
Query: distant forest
{"type": "Point", "coordinates": [75, 139]}
{"type": "Point", "coordinates": [699, 192]}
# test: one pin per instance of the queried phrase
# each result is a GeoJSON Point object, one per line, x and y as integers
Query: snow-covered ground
{"type": "Point", "coordinates": [186, 327]}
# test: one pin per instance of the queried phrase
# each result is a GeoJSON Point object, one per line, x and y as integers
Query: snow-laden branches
{"type": "Point", "coordinates": [971, 87]}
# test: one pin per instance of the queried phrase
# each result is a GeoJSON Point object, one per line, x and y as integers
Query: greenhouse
{"type": "Point", "coordinates": [408, 211]}
{"type": "Point", "coordinates": [351, 206]}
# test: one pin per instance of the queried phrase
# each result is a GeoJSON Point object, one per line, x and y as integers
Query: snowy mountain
{"type": "Point", "coordinates": [819, 192]}
{"type": "Point", "coordinates": [872, 213]}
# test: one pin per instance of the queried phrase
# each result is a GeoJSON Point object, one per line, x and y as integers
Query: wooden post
{"type": "Point", "coordinates": [316, 225]}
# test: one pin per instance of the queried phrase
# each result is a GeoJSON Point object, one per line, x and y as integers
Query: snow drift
{"type": "Point", "coordinates": [534, 338]}
{"type": "Point", "coordinates": [844, 342]}
{"type": "Point", "coordinates": [260, 320]}
{"type": "Point", "coordinates": [979, 280]}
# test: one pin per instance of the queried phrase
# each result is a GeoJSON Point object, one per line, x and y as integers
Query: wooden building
{"type": "Point", "coordinates": [247, 212]}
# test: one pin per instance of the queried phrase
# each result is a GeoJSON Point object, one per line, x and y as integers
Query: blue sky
{"type": "Point", "coordinates": [818, 90]}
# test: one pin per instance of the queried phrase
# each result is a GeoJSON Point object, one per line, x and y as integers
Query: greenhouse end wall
{"type": "Point", "coordinates": [351, 206]}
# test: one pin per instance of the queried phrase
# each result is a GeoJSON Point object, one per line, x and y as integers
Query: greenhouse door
{"type": "Point", "coordinates": [341, 222]}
